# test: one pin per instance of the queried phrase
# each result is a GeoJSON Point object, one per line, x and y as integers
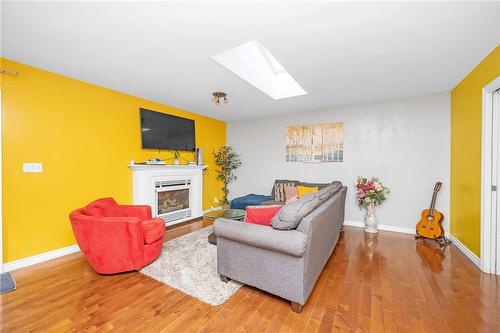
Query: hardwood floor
{"type": "Point", "coordinates": [383, 283]}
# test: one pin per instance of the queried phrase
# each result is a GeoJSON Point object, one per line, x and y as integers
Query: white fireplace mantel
{"type": "Point", "coordinates": [136, 167]}
{"type": "Point", "coordinates": [146, 177]}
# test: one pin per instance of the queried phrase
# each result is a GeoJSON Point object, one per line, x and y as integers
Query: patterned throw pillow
{"type": "Point", "coordinates": [261, 214]}
{"type": "Point", "coordinates": [278, 192]}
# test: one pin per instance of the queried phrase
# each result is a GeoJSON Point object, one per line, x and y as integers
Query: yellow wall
{"type": "Point", "coordinates": [85, 136]}
{"type": "Point", "coordinates": [466, 113]}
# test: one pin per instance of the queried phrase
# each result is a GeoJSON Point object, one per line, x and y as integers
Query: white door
{"type": "Point", "coordinates": [490, 179]}
{"type": "Point", "coordinates": [495, 227]}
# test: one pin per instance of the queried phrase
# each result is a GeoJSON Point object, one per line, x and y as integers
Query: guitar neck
{"type": "Point", "coordinates": [433, 204]}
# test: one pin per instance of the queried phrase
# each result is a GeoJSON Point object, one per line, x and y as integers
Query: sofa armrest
{"type": "Point", "coordinates": [290, 242]}
{"type": "Point", "coordinates": [141, 211]}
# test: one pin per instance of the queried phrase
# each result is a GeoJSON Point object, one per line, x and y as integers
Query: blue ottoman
{"type": "Point", "coordinates": [249, 200]}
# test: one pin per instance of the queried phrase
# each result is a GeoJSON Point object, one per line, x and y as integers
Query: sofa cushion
{"type": "Point", "coordinates": [303, 190]}
{"type": "Point", "coordinates": [278, 192]}
{"type": "Point", "coordinates": [106, 207]}
{"type": "Point", "coordinates": [249, 199]}
{"type": "Point", "coordinates": [153, 230]}
{"type": "Point", "coordinates": [261, 214]}
{"type": "Point", "coordinates": [292, 213]}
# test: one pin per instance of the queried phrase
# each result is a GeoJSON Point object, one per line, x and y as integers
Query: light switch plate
{"type": "Point", "coordinates": [32, 167]}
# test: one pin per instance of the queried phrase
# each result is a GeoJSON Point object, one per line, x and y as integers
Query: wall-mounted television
{"type": "Point", "coordinates": [166, 132]}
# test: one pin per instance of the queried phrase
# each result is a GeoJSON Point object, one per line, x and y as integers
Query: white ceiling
{"type": "Point", "coordinates": [339, 52]}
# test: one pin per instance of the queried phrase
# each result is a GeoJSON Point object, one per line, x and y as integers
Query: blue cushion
{"type": "Point", "coordinates": [249, 200]}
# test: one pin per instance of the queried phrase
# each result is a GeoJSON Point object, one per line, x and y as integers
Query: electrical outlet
{"type": "Point", "coordinates": [32, 167]}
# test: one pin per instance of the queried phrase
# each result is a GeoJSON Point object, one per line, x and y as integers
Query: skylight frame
{"type": "Point", "coordinates": [253, 63]}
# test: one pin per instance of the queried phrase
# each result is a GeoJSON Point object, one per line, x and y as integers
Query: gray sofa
{"type": "Point", "coordinates": [286, 263]}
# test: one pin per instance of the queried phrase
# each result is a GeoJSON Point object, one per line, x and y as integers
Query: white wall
{"type": "Point", "coordinates": [406, 143]}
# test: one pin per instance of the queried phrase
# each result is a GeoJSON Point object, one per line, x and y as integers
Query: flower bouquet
{"type": "Point", "coordinates": [370, 193]}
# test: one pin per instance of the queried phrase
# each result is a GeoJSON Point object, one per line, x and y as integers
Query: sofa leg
{"type": "Point", "coordinates": [296, 307]}
{"type": "Point", "coordinates": [224, 278]}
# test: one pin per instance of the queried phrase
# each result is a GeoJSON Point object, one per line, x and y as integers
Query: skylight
{"type": "Point", "coordinates": [256, 65]}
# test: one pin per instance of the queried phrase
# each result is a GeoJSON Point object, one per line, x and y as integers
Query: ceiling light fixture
{"type": "Point", "coordinates": [219, 96]}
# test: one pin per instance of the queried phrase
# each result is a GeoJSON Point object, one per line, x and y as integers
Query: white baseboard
{"type": "Point", "coordinates": [385, 227]}
{"type": "Point", "coordinates": [36, 259]}
{"type": "Point", "coordinates": [465, 250]}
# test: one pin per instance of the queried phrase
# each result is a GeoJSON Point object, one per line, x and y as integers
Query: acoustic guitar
{"type": "Point", "coordinates": [429, 225]}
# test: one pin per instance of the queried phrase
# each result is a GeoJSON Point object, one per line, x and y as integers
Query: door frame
{"type": "Point", "coordinates": [488, 207]}
{"type": "Point", "coordinates": [1, 188]}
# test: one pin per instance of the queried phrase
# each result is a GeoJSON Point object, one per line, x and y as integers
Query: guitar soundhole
{"type": "Point", "coordinates": [430, 218]}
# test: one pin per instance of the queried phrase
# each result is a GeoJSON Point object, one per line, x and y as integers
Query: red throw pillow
{"type": "Point", "coordinates": [261, 214]}
{"type": "Point", "coordinates": [106, 207]}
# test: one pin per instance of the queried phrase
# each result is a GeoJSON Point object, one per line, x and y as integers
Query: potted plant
{"type": "Point", "coordinates": [227, 161]}
{"type": "Point", "coordinates": [369, 194]}
{"type": "Point", "coordinates": [177, 154]}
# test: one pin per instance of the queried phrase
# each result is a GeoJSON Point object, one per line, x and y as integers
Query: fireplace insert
{"type": "Point", "coordinates": [173, 199]}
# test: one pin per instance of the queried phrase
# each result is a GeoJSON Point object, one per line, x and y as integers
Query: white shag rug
{"type": "Point", "coordinates": [189, 264]}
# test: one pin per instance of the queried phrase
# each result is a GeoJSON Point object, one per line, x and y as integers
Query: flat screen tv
{"type": "Point", "coordinates": [167, 132]}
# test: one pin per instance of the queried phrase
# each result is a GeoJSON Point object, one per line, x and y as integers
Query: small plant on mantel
{"type": "Point", "coordinates": [227, 161]}
{"type": "Point", "coordinates": [177, 154]}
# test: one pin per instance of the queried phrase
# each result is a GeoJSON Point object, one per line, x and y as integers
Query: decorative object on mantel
{"type": "Point", "coordinates": [155, 161]}
{"type": "Point", "coordinates": [315, 143]}
{"type": "Point", "coordinates": [219, 96]}
{"type": "Point", "coordinates": [199, 156]}
{"type": "Point", "coordinates": [227, 161]}
{"type": "Point", "coordinates": [177, 154]}
{"type": "Point", "coordinates": [370, 193]}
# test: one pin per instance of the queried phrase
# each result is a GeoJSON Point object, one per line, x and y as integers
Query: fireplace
{"type": "Point", "coordinates": [172, 199]}
{"type": "Point", "coordinates": [174, 192]}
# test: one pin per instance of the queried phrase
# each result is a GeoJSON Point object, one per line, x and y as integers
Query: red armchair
{"type": "Point", "coordinates": [117, 238]}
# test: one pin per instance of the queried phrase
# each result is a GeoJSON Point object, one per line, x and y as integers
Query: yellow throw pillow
{"type": "Point", "coordinates": [303, 190]}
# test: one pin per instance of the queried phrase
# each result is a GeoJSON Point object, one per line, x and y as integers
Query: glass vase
{"type": "Point", "coordinates": [370, 219]}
